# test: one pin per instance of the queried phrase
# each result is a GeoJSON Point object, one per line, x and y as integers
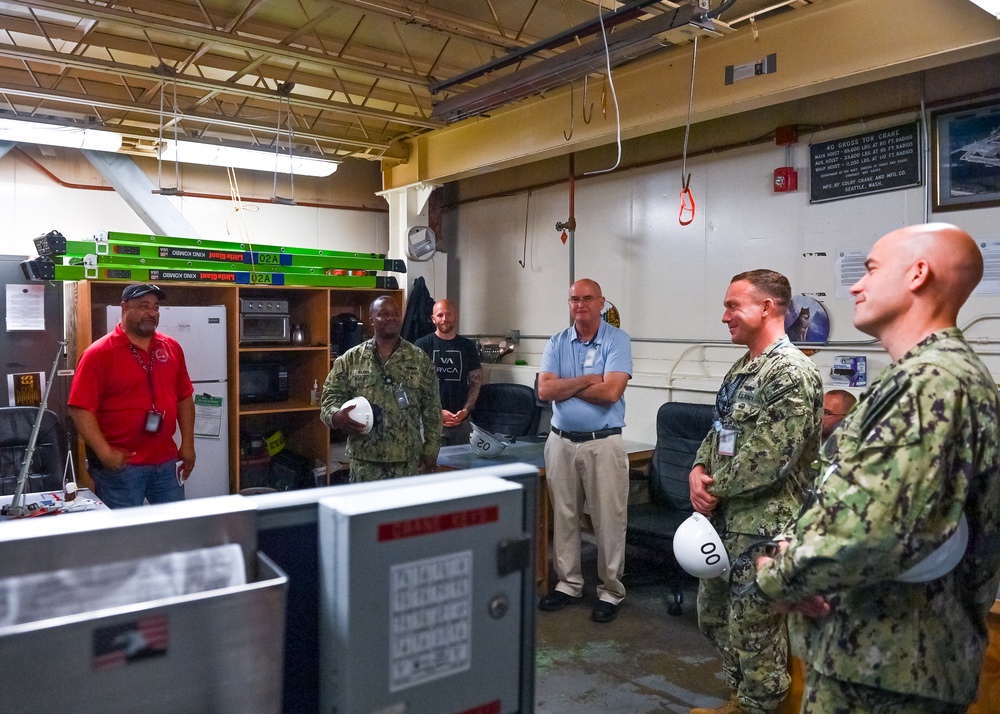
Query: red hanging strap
{"type": "Point", "coordinates": [687, 203]}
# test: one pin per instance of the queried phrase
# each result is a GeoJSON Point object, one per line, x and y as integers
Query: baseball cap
{"type": "Point", "coordinates": [137, 290]}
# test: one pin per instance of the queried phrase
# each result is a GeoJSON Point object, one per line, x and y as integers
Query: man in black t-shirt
{"type": "Point", "coordinates": [459, 373]}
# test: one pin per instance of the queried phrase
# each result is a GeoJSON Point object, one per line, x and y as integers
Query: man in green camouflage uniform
{"type": "Point", "coordinates": [920, 448]}
{"type": "Point", "coordinates": [397, 378]}
{"type": "Point", "coordinates": [749, 477]}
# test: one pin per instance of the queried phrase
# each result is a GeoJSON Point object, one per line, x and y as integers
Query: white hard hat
{"type": "Point", "coordinates": [362, 413]}
{"type": "Point", "coordinates": [698, 548]}
{"type": "Point", "coordinates": [943, 560]}
{"type": "Point", "coordinates": [486, 445]}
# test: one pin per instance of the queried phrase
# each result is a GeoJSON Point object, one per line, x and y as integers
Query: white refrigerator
{"type": "Point", "coordinates": [201, 332]}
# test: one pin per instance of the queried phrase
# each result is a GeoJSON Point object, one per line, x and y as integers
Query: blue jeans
{"type": "Point", "coordinates": [128, 486]}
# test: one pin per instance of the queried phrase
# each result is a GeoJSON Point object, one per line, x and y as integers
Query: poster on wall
{"type": "Point", "coordinates": [25, 389]}
{"type": "Point", "coordinates": [850, 268]}
{"type": "Point", "coordinates": [990, 284]}
{"type": "Point", "coordinates": [25, 308]}
{"type": "Point", "coordinates": [806, 320]}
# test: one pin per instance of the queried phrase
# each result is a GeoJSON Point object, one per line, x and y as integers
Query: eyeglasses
{"type": "Point", "coordinates": [585, 299]}
{"type": "Point", "coordinates": [827, 412]}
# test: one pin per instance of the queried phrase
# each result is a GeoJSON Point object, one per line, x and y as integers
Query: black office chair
{"type": "Point", "coordinates": [680, 429]}
{"type": "Point", "coordinates": [506, 408]}
{"type": "Point", "coordinates": [49, 459]}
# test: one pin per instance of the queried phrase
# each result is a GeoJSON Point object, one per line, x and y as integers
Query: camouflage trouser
{"type": "Point", "coordinates": [378, 470]}
{"type": "Point", "coordinates": [749, 635]}
{"type": "Point", "coordinates": [826, 695]}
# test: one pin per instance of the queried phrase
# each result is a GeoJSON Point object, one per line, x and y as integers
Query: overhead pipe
{"type": "Point", "coordinates": [569, 227]}
{"type": "Point", "coordinates": [617, 16]}
{"type": "Point", "coordinates": [190, 194]}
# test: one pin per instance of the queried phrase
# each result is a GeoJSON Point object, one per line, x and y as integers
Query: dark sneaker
{"type": "Point", "coordinates": [557, 600]}
{"type": "Point", "coordinates": [604, 611]}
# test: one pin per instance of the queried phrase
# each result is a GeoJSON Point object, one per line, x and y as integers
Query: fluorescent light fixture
{"type": "Point", "coordinates": [190, 152]}
{"type": "Point", "coordinates": [990, 6]}
{"type": "Point", "coordinates": [52, 135]}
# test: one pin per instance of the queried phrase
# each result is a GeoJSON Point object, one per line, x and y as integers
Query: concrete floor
{"type": "Point", "coordinates": [645, 662]}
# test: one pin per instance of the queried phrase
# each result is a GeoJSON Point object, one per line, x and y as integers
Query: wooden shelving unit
{"type": "Point", "coordinates": [297, 419]}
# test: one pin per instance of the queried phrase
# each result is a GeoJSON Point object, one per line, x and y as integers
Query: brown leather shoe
{"type": "Point", "coordinates": [730, 707]}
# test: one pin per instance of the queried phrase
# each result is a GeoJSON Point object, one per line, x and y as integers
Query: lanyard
{"type": "Point", "coordinates": [378, 360]}
{"type": "Point", "coordinates": [148, 369]}
{"type": "Point", "coordinates": [725, 397]}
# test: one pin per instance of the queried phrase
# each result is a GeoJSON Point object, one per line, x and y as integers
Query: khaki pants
{"type": "Point", "coordinates": [597, 471]}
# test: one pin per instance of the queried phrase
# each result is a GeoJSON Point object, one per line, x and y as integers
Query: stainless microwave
{"type": "Point", "coordinates": [264, 321]}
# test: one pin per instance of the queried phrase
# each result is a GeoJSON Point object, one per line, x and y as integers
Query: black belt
{"type": "Point", "coordinates": [578, 436]}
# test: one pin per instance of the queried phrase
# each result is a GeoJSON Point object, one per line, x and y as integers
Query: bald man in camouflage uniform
{"type": "Point", "coordinates": [749, 477]}
{"type": "Point", "coordinates": [921, 447]}
{"type": "Point", "coordinates": [397, 378]}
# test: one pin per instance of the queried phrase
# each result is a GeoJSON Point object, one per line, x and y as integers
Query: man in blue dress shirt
{"type": "Point", "coordinates": [584, 372]}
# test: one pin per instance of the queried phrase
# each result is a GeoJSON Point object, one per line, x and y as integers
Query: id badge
{"type": "Point", "coordinates": [402, 401]}
{"type": "Point", "coordinates": [591, 357]}
{"type": "Point", "coordinates": [727, 442]}
{"type": "Point", "coordinates": [153, 421]}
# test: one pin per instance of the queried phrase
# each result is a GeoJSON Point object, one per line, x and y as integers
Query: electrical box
{"type": "Point", "coordinates": [421, 598]}
{"type": "Point", "coordinates": [786, 135]}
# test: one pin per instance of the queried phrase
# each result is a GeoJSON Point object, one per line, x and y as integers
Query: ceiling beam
{"type": "Point", "coordinates": [112, 15]}
{"type": "Point", "coordinates": [449, 25]}
{"type": "Point", "coordinates": [820, 48]}
{"type": "Point", "coordinates": [125, 48]}
{"type": "Point", "coordinates": [60, 59]}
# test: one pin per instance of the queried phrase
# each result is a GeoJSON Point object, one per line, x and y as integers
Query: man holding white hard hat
{"type": "Point", "coordinates": [384, 394]}
{"type": "Point", "coordinates": [913, 470]}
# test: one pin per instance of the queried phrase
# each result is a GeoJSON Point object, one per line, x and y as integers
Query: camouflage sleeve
{"type": "Point", "coordinates": [887, 503]}
{"type": "Point", "coordinates": [335, 389]}
{"type": "Point", "coordinates": [430, 400]}
{"type": "Point", "coordinates": [704, 455]}
{"type": "Point", "coordinates": [772, 436]}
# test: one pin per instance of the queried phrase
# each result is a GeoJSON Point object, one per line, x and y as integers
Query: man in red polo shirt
{"type": "Point", "coordinates": [130, 392]}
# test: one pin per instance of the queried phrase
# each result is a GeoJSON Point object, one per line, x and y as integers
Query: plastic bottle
{"type": "Point", "coordinates": [314, 394]}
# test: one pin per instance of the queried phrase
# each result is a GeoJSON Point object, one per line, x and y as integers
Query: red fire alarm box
{"type": "Point", "coordinates": [786, 178]}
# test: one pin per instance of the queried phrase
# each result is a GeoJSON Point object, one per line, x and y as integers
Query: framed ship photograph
{"type": "Point", "coordinates": [966, 166]}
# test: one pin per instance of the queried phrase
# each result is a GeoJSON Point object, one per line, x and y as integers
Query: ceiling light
{"type": "Point", "coordinates": [190, 152]}
{"type": "Point", "coordinates": [52, 135]}
{"type": "Point", "coordinates": [990, 6]}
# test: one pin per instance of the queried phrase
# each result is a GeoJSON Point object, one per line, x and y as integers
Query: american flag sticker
{"type": "Point", "coordinates": [117, 645]}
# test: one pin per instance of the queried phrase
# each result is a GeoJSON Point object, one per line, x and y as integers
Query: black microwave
{"type": "Point", "coordinates": [263, 382]}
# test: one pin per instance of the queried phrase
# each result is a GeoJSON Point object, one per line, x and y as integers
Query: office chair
{"type": "Point", "coordinates": [507, 408]}
{"type": "Point", "coordinates": [49, 459]}
{"type": "Point", "coordinates": [680, 429]}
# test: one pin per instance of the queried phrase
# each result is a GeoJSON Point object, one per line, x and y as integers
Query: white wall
{"type": "Point", "coordinates": [668, 281]}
